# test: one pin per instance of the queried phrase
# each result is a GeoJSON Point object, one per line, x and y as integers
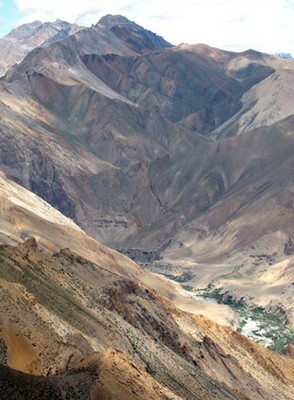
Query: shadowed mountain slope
{"type": "Point", "coordinates": [97, 377]}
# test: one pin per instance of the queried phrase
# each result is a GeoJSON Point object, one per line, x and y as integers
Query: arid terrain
{"type": "Point", "coordinates": [124, 158]}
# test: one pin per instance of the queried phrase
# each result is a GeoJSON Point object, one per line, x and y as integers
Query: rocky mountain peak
{"type": "Point", "coordinates": [32, 30]}
{"type": "Point", "coordinates": [109, 21]}
{"type": "Point", "coordinates": [137, 37]}
{"type": "Point", "coordinates": [20, 41]}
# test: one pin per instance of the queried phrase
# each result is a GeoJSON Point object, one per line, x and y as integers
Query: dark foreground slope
{"type": "Point", "coordinates": [109, 375]}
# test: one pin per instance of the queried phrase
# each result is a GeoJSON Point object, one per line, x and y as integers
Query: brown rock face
{"type": "Point", "coordinates": [289, 351]}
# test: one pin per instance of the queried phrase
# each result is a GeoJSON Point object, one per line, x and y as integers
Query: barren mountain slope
{"type": "Point", "coordinates": [264, 104]}
{"type": "Point", "coordinates": [239, 218]}
{"type": "Point", "coordinates": [23, 214]}
{"type": "Point", "coordinates": [197, 86]}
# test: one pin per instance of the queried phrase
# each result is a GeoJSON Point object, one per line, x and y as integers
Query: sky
{"type": "Point", "coordinates": [263, 25]}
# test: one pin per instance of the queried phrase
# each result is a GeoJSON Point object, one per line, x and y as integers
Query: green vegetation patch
{"type": "Point", "coordinates": [255, 323]}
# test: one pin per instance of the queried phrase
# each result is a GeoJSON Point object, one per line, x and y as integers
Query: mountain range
{"type": "Point", "coordinates": [180, 157]}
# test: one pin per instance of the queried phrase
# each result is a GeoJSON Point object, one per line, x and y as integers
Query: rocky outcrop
{"type": "Point", "coordinates": [289, 248]}
{"type": "Point", "coordinates": [141, 256]}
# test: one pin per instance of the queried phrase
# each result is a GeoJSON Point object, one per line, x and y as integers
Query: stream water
{"type": "Point", "coordinates": [258, 325]}
{"type": "Point", "coordinates": [254, 323]}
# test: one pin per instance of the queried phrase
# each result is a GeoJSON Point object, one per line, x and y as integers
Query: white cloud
{"type": "Point", "coordinates": [265, 25]}
{"type": "Point", "coordinates": [71, 11]}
